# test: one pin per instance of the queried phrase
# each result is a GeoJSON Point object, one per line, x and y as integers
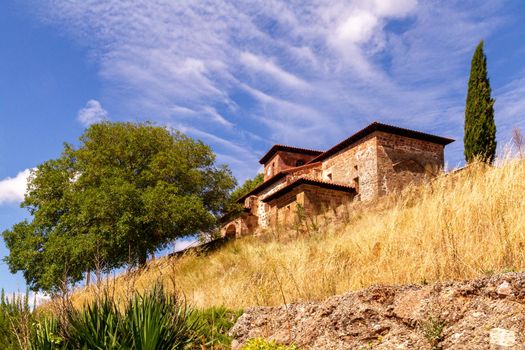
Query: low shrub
{"type": "Point", "coordinates": [215, 323]}
{"type": "Point", "coordinates": [263, 344]}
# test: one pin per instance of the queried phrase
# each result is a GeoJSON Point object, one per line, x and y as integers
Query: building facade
{"type": "Point", "coordinates": [374, 161]}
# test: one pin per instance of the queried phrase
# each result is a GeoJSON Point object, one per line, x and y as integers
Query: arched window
{"type": "Point", "coordinates": [231, 231]}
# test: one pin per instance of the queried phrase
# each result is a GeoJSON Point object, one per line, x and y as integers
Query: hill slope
{"type": "Point", "coordinates": [460, 226]}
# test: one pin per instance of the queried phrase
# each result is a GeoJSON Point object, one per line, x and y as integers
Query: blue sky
{"type": "Point", "coordinates": [243, 76]}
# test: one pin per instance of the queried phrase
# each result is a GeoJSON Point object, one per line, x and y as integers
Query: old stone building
{"type": "Point", "coordinates": [372, 162]}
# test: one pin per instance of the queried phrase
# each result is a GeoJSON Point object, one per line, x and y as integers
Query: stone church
{"type": "Point", "coordinates": [374, 161]}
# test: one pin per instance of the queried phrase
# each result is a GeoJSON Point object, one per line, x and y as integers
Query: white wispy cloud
{"type": "Point", "coordinates": [258, 63]}
{"type": "Point", "coordinates": [509, 108]}
{"type": "Point", "coordinates": [304, 72]}
{"type": "Point", "coordinates": [12, 189]}
{"type": "Point", "coordinates": [92, 113]}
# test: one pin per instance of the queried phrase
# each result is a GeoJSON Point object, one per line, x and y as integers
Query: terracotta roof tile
{"type": "Point", "coordinates": [376, 126]}
{"type": "Point", "coordinates": [309, 181]}
{"type": "Point", "coordinates": [278, 147]}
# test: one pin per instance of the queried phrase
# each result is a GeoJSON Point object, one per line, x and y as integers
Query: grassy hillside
{"type": "Point", "coordinates": [460, 226]}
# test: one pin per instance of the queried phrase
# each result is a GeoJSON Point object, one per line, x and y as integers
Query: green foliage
{"type": "Point", "coordinates": [96, 326]}
{"type": "Point", "coordinates": [247, 186]}
{"type": "Point", "coordinates": [45, 335]}
{"type": "Point", "coordinates": [433, 329]}
{"type": "Point", "coordinates": [16, 318]}
{"type": "Point", "coordinates": [262, 344]}
{"type": "Point", "coordinates": [159, 321]}
{"type": "Point", "coordinates": [127, 191]}
{"type": "Point", "coordinates": [151, 321]}
{"type": "Point", "coordinates": [215, 323]}
{"type": "Point", "coordinates": [240, 191]}
{"type": "Point", "coordinates": [480, 128]}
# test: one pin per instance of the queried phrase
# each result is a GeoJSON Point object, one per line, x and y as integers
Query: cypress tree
{"type": "Point", "coordinates": [480, 129]}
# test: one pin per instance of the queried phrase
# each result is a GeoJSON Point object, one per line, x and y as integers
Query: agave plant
{"type": "Point", "coordinates": [156, 321]}
{"type": "Point", "coordinates": [96, 327]}
{"type": "Point", "coordinates": [150, 321]}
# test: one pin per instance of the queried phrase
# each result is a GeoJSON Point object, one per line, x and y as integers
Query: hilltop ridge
{"type": "Point", "coordinates": [459, 226]}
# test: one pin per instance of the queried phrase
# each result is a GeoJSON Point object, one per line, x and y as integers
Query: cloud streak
{"type": "Point", "coordinates": [306, 73]}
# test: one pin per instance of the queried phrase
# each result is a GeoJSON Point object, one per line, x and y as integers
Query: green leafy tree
{"type": "Point", "coordinates": [246, 187]}
{"type": "Point", "coordinates": [127, 191]}
{"type": "Point", "coordinates": [480, 128]}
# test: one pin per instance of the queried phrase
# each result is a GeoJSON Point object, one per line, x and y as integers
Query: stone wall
{"type": "Point", "coordinates": [243, 225]}
{"type": "Point", "coordinates": [402, 161]}
{"type": "Point", "coordinates": [356, 165]}
{"type": "Point", "coordinates": [375, 165]}
{"type": "Point", "coordinates": [319, 200]}
{"type": "Point", "coordinates": [283, 161]}
{"type": "Point", "coordinates": [311, 200]}
{"type": "Point", "coordinates": [261, 209]}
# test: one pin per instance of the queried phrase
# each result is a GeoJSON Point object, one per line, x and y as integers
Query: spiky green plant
{"type": "Point", "coordinates": [150, 321]}
{"type": "Point", "coordinates": [15, 320]}
{"type": "Point", "coordinates": [156, 321]}
{"type": "Point", "coordinates": [45, 335]}
{"type": "Point", "coordinates": [97, 326]}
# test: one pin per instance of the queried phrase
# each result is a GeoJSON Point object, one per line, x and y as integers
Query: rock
{"type": "Point", "coordinates": [504, 288]}
{"type": "Point", "coordinates": [487, 313]}
{"type": "Point", "coordinates": [502, 337]}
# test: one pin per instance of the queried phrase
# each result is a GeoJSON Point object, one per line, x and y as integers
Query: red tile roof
{"type": "Point", "coordinates": [274, 179]}
{"type": "Point", "coordinates": [263, 186]}
{"type": "Point", "coordinates": [291, 149]}
{"type": "Point", "coordinates": [376, 126]}
{"type": "Point", "coordinates": [309, 181]}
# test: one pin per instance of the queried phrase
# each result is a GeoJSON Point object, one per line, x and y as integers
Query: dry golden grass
{"type": "Point", "coordinates": [460, 226]}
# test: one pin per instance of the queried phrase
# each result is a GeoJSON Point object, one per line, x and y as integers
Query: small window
{"type": "Point", "coordinates": [355, 167]}
{"type": "Point", "coordinates": [329, 176]}
{"type": "Point", "coordinates": [356, 184]}
{"type": "Point", "coordinates": [299, 162]}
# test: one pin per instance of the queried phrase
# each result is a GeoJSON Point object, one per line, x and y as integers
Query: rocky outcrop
{"type": "Point", "coordinates": [487, 313]}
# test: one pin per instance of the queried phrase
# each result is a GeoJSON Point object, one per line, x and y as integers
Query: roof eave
{"type": "Point", "coordinates": [306, 181]}
{"type": "Point", "coordinates": [276, 148]}
{"type": "Point", "coordinates": [376, 126]}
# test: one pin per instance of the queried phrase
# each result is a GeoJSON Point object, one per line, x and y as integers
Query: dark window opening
{"type": "Point", "coordinates": [299, 162]}
{"type": "Point", "coordinates": [356, 184]}
{"type": "Point", "coordinates": [329, 176]}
